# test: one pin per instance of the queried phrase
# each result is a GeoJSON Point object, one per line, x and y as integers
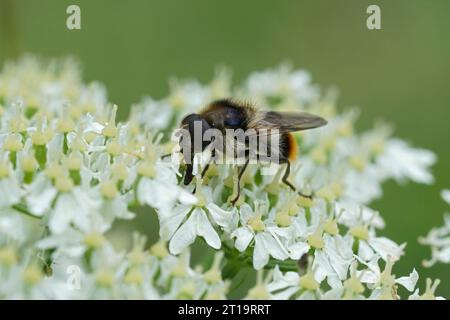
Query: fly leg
{"type": "Point", "coordinates": [241, 173]}
{"type": "Point", "coordinates": [289, 184]}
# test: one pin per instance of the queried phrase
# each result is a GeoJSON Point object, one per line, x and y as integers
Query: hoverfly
{"type": "Point", "coordinates": [227, 114]}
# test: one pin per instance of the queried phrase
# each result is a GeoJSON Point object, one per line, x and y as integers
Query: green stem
{"type": "Point", "coordinates": [23, 209]}
{"type": "Point", "coordinates": [236, 259]}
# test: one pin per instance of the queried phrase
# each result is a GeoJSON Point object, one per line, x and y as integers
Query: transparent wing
{"type": "Point", "coordinates": [272, 121]}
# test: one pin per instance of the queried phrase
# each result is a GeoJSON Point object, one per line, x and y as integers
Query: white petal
{"type": "Point", "coordinates": [40, 202]}
{"type": "Point", "coordinates": [409, 282]}
{"type": "Point", "coordinates": [260, 254]}
{"type": "Point", "coordinates": [12, 225]}
{"type": "Point", "coordinates": [10, 192]}
{"type": "Point", "coordinates": [340, 255]}
{"type": "Point", "coordinates": [205, 229]}
{"type": "Point", "coordinates": [88, 203]}
{"type": "Point", "coordinates": [443, 255]}
{"type": "Point", "coordinates": [115, 208]}
{"type": "Point", "coordinates": [445, 194]}
{"type": "Point", "coordinates": [65, 208]}
{"type": "Point", "coordinates": [365, 252]}
{"type": "Point", "coordinates": [184, 236]}
{"type": "Point", "coordinates": [245, 212]}
{"type": "Point", "coordinates": [404, 162]}
{"type": "Point", "coordinates": [386, 247]}
{"type": "Point", "coordinates": [281, 281]}
{"type": "Point", "coordinates": [226, 219]}
{"type": "Point", "coordinates": [243, 237]}
{"type": "Point", "coordinates": [170, 220]}
{"type": "Point", "coordinates": [297, 250]}
{"type": "Point", "coordinates": [273, 246]}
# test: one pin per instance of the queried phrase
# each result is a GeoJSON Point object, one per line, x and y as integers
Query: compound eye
{"type": "Point", "coordinates": [233, 119]}
{"type": "Point", "coordinates": [190, 117]}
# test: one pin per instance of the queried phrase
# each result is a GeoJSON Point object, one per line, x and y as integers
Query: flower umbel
{"type": "Point", "coordinates": [70, 170]}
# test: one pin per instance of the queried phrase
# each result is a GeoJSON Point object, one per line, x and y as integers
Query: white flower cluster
{"type": "Point", "coordinates": [439, 239]}
{"type": "Point", "coordinates": [68, 170]}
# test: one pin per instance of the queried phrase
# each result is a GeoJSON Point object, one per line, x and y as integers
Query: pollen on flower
{"type": "Point", "coordinates": [360, 232]}
{"type": "Point", "coordinates": [294, 209]}
{"type": "Point", "coordinates": [308, 282]}
{"type": "Point", "coordinates": [228, 181]}
{"type": "Point", "coordinates": [315, 240]}
{"type": "Point", "coordinates": [94, 240]}
{"type": "Point", "coordinates": [159, 250]}
{"type": "Point", "coordinates": [283, 219]}
{"type": "Point", "coordinates": [63, 183]}
{"type": "Point", "coordinates": [88, 108]}
{"type": "Point", "coordinates": [110, 130]}
{"type": "Point", "coordinates": [187, 291]}
{"type": "Point", "coordinates": [274, 186]}
{"type": "Point", "coordinates": [134, 276]}
{"type": "Point", "coordinates": [215, 295]}
{"type": "Point", "coordinates": [256, 223]}
{"type": "Point", "coordinates": [179, 270]}
{"type": "Point", "coordinates": [65, 125]}
{"type": "Point", "coordinates": [201, 200]}
{"type": "Point", "coordinates": [13, 143]}
{"type": "Point", "coordinates": [329, 143]}
{"type": "Point", "coordinates": [345, 129]}
{"type": "Point", "coordinates": [73, 162]}
{"type": "Point", "coordinates": [337, 188]}
{"type": "Point", "coordinates": [327, 193]}
{"type": "Point", "coordinates": [78, 144]}
{"type": "Point", "coordinates": [331, 227]}
{"type": "Point", "coordinates": [54, 170]}
{"type": "Point", "coordinates": [305, 202]}
{"type": "Point", "coordinates": [90, 136]}
{"type": "Point", "coordinates": [358, 162]}
{"type": "Point", "coordinates": [120, 171]}
{"type": "Point", "coordinates": [8, 256]}
{"type": "Point", "coordinates": [114, 148]}
{"type": "Point", "coordinates": [176, 100]}
{"type": "Point", "coordinates": [260, 291]}
{"type": "Point", "coordinates": [386, 277]}
{"type": "Point", "coordinates": [32, 275]}
{"type": "Point", "coordinates": [146, 168]}
{"type": "Point", "coordinates": [378, 147]}
{"type": "Point", "coordinates": [4, 170]}
{"type": "Point", "coordinates": [18, 123]}
{"type": "Point", "coordinates": [104, 277]}
{"type": "Point", "coordinates": [353, 286]}
{"type": "Point", "coordinates": [29, 163]}
{"type": "Point", "coordinates": [40, 138]}
{"type": "Point", "coordinates": [108, 189]}
{"type": "Point", "coordinates": [430, 290]}
{"type": "Point", "coordinates": [136, 256]}
{"type": "Point", "coordinates": [319, 155]}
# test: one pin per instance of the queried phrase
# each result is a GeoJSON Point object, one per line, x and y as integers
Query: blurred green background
{"type": "Point", "coordinates": [400, 73]}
